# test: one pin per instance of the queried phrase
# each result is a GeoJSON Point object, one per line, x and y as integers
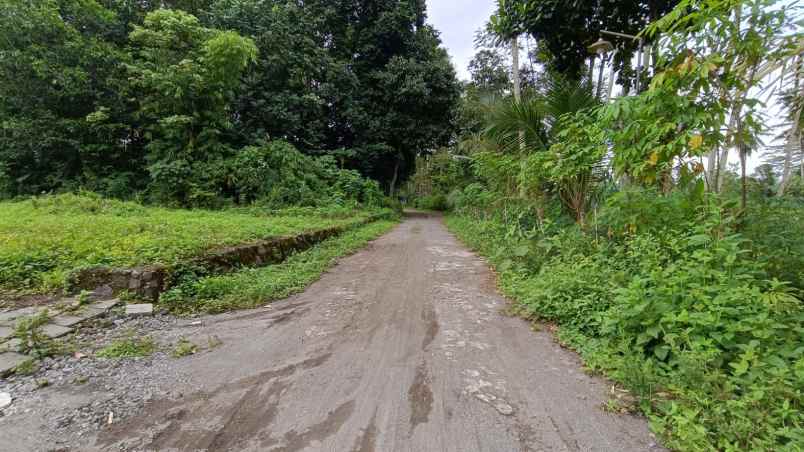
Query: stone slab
{"type": "Point", "coordinates": [10, 346]}
{"type": "Point", "coordinates": [5, 333]}
{"type": "Point", "coordinates": [139, 309]}
{"type": "Point", "coordinates": [10, 360]}
{"type": "Point", "coordinates": [67, 320]}
{"type": "Point", "coordinates": [9, 317]}
{"type": "Point", "coordinates": [104, 305]}
{"type": "Point", "coordinates": [53, 331]}
{"type": "Point", "coordinates": [5, 400]}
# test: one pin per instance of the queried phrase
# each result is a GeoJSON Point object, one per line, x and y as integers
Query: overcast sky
{"type": "Point", "coordinates": [457, 20]}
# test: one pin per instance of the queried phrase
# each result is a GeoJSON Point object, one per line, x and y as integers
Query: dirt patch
{"type": "Point", "coordinates": [242, 421]}
{"type": "Point", "coordinates": [367, 442]}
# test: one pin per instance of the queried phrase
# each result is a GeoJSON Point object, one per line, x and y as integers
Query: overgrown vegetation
{"type": "Point", "coordinates": [254, 287]}
{"type": "Point", "coordinates": [44, 239]}
{"type": "Point", "coordinates": [669, 271]}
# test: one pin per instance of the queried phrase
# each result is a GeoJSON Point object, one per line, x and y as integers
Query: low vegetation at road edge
{"type": "Point", "coordinates": [253, 287]}
{"type": "Point", "coordinates": [711, 352]}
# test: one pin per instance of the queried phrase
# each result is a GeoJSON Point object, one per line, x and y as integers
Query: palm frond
{"type": "Point", "coordinates": [517, 126]}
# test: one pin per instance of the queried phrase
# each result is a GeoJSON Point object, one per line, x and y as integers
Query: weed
{"type": "Point", "coordinates": [27, 367]}
{"type": "Point", "coordinates": [184, 348]}
{"type": "Point", "coordinates": [32, 340]}
{"type": "Point", "coordinates": [84, 298]}
{"type": "Point", "coordinates": [129, 347]}
{"type": "Point", "coordinates": [214, 342]}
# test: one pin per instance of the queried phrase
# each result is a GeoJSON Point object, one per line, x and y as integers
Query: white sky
{"type": "Point", "coordinates": [457, 20]}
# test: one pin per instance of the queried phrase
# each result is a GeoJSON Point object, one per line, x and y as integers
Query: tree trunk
{"type": "Point", "coordinates": [515, 68]}
{"type": "Point", "coordinates": [517, 84]}
{"type": "Point", "coordinates": [744, 179]}
{"type": "Point", "coordinates": [600, 76]}
{"type": "Point", "coordinates": [711, 170]}
{"type": "Point", "coordinates": [392, 189]}
{"type": "Point", "coordinates": [787, 171]}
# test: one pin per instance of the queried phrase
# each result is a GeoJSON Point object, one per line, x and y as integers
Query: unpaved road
{"type": "Point", "coordinates": [401, 347]}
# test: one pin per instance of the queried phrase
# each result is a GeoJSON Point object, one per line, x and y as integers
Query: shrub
{"type": "Point", "coordinates": [432, 202]}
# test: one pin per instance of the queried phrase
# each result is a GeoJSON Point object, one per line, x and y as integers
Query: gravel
{"type": "Point", "coordinates": [117, 386]}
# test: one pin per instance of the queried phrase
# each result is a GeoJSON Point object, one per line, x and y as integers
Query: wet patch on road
{"type": "Point", "coordinates": [321, 431]}
{"type": "Point", "coordinates": [420, 397]}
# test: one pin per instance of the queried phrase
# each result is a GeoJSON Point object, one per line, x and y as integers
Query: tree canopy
{"type": "Point", "coordinates": [122, 97]}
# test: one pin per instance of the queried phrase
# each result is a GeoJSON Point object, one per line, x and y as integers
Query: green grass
{"type": "Point", "coordinates": [42, 240]}
{"type": "Point", "coordinates": [129, 347]}
{"type": "Point", "coordinates": [256, 286]}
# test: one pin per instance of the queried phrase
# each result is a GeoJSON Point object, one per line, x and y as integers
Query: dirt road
{"type": "Point", "coordinates": [401, 347]}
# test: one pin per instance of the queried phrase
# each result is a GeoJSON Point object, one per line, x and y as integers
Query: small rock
{"type": "Point", "coordinates": [139, 309]}
{"type": "Point", "coordinates": [504, 408]}
{"type": "Point", "coordinates": [196, 323]}
{"type": "Point", "coordinates": [5, 400]}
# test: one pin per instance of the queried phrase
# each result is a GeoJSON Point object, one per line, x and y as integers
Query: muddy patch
{"type": "Point", "coordinates": [420, 397]}
{"type": "Point", "coordinates": [223, 425]}
{"type": "Point", "coordinates": [321, 431]}
{"type": "Point", "coordinates": [429, 319]}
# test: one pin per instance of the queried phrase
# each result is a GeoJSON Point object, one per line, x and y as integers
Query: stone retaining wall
{"type": "Point", "coordinates": [148, 282]}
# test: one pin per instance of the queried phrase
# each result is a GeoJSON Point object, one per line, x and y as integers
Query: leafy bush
{"type": "Point", "coordinates": [432, 202]}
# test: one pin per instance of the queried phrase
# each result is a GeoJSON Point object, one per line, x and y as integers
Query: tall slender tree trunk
{"type": "Point", "coordinates": [515, 61]}
{"type": "Point", "coordinates": [392, 188]}
{"type": "Point", "coordinates": [743, 179]}
{"type": "Point", "coordinates": [793, 136]}
{"type": "Point", "coordinates": [787, 170]}
{"type": "Point", "coordinates": [711, 169]}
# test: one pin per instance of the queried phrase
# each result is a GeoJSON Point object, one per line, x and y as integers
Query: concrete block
{"type": "Point", "coordinates": [104, 305]}
{"type": "Point", "coordinates": [139, 309]}
{"type": "Point", "coordinates": [10, 360]}
{"type": "Point", "coordinates": [67, 320]}
{"type": "Point", "coordinates": [53, 331]}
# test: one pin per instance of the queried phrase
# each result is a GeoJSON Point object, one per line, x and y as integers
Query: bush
{"type": "Point", "coordinates": [432, 202]}
{"type": "Point", "coordinates": [686, 317]}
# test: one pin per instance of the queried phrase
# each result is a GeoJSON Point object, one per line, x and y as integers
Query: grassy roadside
{"type": "Point", "coordinates": [732, 376]}
{"type": "Point", "coordinates": [253, 287]}
{"type": "Point", "coordinates": [43, 239]}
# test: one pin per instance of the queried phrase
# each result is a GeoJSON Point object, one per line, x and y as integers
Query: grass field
{"type": "Point", "coordinates": [43, 240]}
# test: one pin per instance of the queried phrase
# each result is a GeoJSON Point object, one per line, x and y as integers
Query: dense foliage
{"type": "Point", "coordinates": [169, 99]}
{"type": "Point", "coordinates": [620, 222]}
